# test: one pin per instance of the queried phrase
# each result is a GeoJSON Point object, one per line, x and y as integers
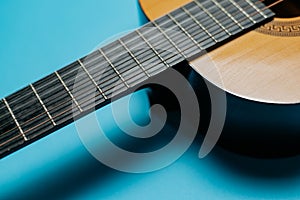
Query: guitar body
{"type": "Point", "coordinates": [260, 73]}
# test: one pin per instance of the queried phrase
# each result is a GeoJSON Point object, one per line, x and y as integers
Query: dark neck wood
{"type": "Point", "coordinates": [109, 72]}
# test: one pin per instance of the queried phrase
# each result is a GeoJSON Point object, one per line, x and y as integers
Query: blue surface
{"type": "Point", "coordinates": [38, 37]}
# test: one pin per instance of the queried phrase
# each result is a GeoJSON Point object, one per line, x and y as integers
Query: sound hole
{"type": "Point", "coordinates": [285, 9]}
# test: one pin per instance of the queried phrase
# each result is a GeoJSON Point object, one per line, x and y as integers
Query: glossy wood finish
{"type": "Point", "coordinates": [254, 66]}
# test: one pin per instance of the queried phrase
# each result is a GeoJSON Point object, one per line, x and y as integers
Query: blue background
{"type": "Point", "coordinates": [38, 37]}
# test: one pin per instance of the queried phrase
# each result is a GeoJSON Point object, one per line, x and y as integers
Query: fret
{"type": "Point", "coordinates": [114, 50]}
{"type": "Point", "coordinates": [67, 89]}
{"type": "Point", "coordinates": [237, 13]}
{"type": "Point", "coordinates": [208, 24]}
{"type": "Point", "coordinates": [243, 11]}
{"type": "Point", "coordinates": [184, 31]}
{"type": "Point", "coordinates": [217, 21]}
{"type": "Point", "coordinates": [258, 10]}
{"type": "Point", "coordinates": [152, 48]}
{"type": "Point", "coordinates": [15, 120]}
{"type": "Point", "coordinates": [78, 82]}
{"type": "Point", "coordinates": [223, 18]}
{"type": "Point", "coordinates": [152, 63]}
{"type": "Point", "coordinates": [29, 113]}
{"type": "Point", "coordinates": [253, 10]}
{"type": "Point", "coordinates": [168, 59]}
{"type": "Point", "coordinates": [267, 13]}
{"type": "Point", "coordinates": [177, 35]}
{"type": "Point", "coordinates": [229, 15]}
{"type": "Point", "coordinates": [114, 68]}
{"type": "Point", "coordinates": [43, 105]}
{"type": "Point", "coordinates": [162, 46]}
{"type": "Point", "coordinates": [94, 82]}
{"type": "Point", "coordinates": [250, 10]}
{"type": "Point", "coordinates": [9, 130]}
{"type": "Point", "coordinates": [121, 61]}
{"type": "Point", "coordinates": [170, 40]}
{"type": "Point", "coordinates": [56, 98]}
{"type": "Point", "coordinates": [136, 60]}
{"type": "Point", "coordinates": [104, 75]}
{"type": "Point", "coordinates": [195, 29]}
{"type": "Point", "coordinates": [81, 87]}
{"type": "Point", "coordinates": [6, 120]}
{"type": "Point", "coordinates": [145, 53]}
{"type": "Point", "coordinates": [202, 28]}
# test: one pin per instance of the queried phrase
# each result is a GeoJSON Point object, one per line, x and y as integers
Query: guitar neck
{"type": "Point", "coordinates": [111, 71]}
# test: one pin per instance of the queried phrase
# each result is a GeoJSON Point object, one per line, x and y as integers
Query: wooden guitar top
{"type": "Point", "coordinates": [262, 65]}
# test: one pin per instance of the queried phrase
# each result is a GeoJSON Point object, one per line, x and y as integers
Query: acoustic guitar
{"type": "Point", "coordinates": [258, 70]}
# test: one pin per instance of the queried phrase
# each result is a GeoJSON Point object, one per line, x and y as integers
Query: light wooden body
{"type": "Point", "coordinates": [255, 66]}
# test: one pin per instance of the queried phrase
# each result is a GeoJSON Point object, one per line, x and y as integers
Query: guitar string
{"type": "Point", "coordinates": [66, 111]}
{"type": "Point", "coordinates": [111, 50]}
{"type": "Point", "coordinates": [40, 114]}
{"type": "Point", "coordinates": [166, 21]}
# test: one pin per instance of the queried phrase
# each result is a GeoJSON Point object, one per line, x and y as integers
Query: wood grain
{"type": "Point", "coordinates": [254, 66]}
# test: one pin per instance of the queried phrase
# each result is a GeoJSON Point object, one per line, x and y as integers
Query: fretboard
{"type": "Point", "coordinates": [92, 81]}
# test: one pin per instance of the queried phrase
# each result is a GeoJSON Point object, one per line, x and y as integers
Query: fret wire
{"type": "Point", "coordinates": [243, 11]}
{"type": "Point", "coordinates": [135, 59]}
{"type": "Point", "coordinates": [221, 31]}
{"type": "Point", "coordinates": [114, 52]}
{"type": "Point", "coordinates": [59, 114]}
{"type": "Point", "coordinates": [111, 74]}
{"type": "Point", "coordinates": [182, 13]}
{"type": "Point", "coordinates": [152, 48]}
{"type": "Point", "coordinates": [43, 105]}
{"type": "Point", "coordinates": [185, 32]}
{"type": "Point", "coordinates": [179, 41]}
{"type": "Point", "coordinates": [235, 12]}
{"type": "Point", "coordinates": [59, 93]}
{"type": "Point", "coordinates": [114, 68]}
{"type": "Point", "coordinates": [213, 17]}
{"type": "Point", "coordinates": [23, 98]}
{"type": "Point", "coordinates": [169, 39]}
{"type": "Point", "coordinates": [206, 31]}
{"type": "Point", "coordinates": [103, 75]}
{"type": "Point", "coordinates": [228, 14]}
{"type": "Point", "coordinates": [258, 10]}
{"type": "Point", "coordinates": [15, 119]}
{"type": "Point", "coordinates": [7, 114]}
{"type": "Point", "coordinates": [91, 78]}
{"type": "Point", "coordinates": [110, 86]}
{"type": "Point", "coordinates": [69, 92]}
